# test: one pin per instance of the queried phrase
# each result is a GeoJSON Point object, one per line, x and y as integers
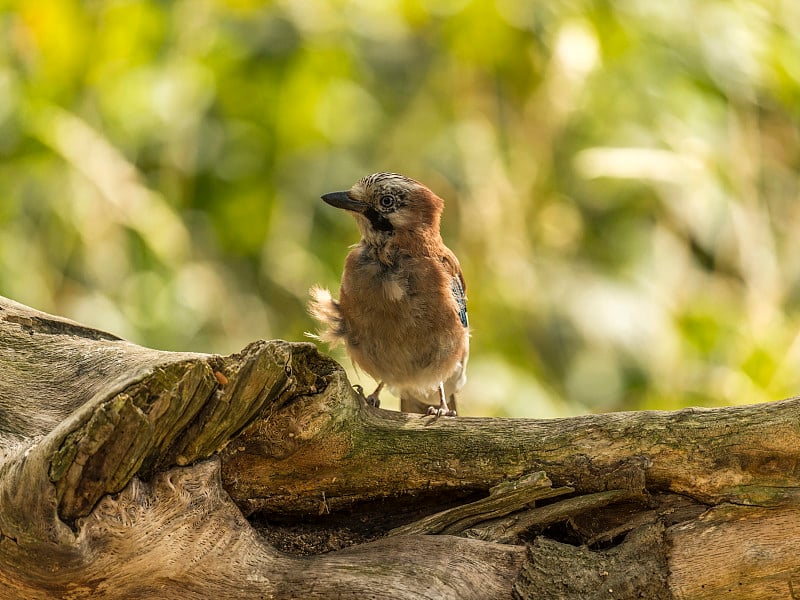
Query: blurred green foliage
{"type": "Point", "coordinates": [622, 178]}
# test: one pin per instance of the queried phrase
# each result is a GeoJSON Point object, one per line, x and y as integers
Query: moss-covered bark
{"type": "Point", "coordinates": [126, 472]}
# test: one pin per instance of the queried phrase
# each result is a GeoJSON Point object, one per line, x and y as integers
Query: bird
{"type": "Point", "coordinates": [402, 307]}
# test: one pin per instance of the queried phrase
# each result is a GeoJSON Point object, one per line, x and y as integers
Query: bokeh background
{"type": "Point", "coordinates": [622, 179]}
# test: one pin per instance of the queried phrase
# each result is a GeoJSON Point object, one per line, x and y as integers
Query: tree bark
{"type": "Point", "coordinates": [130, 472]}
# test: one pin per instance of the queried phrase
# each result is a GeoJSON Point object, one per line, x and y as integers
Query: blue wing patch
{"type": "Point", "coordinates": [461, 300]}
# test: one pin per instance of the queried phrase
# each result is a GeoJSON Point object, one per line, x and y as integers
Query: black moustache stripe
{"type": "Point", "coordinates": [378, 221]}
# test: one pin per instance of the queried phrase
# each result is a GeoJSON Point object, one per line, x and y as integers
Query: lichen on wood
{"type": "Point", "coordinates": [128, 472]}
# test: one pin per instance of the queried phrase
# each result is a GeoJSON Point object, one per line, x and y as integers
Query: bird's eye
{"type": "Point", "coordinates": [387, 201]}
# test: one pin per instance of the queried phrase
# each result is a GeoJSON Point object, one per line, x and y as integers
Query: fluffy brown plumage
{"type": "Point", "coordinates": [401, 312]}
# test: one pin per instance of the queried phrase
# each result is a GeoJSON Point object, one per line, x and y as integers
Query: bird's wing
{"type": "Point", "coordinates": [457, 285]}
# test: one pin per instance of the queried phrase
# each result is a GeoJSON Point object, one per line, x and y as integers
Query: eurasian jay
{"type": "Point", "coordinates": [402, 311]}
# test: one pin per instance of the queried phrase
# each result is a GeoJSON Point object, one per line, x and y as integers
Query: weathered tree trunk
{"type": "Point", "coordinates": [128, 472]}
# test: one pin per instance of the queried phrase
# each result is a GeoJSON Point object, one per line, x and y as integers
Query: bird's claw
{"type": "Point", "coordinates": [372, 399]}
{"type": "Point", "coordinates": [441, 411]}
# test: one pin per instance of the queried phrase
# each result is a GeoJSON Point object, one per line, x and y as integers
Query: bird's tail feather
{"type": "Point", "coordinates": [326, 310]}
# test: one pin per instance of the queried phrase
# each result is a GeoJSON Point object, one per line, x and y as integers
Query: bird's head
{"type": "Point", "coordinates": [385, 203]}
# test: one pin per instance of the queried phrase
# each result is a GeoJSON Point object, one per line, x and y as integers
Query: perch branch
{"type": "Point", "coordinates": [106, 484]}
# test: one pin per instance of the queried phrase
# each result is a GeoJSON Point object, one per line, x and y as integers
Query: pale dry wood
{"type": "Point", "coordinates": [94, 497]}
{"type": "Point", "coordinates": [140, 413]}
{"type": "Point", "coordinates": [737, 552]}
{"type": "Point", "coordinates": [503, 499]}
{"type": "Point", "coordinates": [507, 530]}
{"type": "Point", "coordinates": [180, 536]}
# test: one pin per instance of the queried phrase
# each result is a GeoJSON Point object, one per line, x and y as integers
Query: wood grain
{"type": "Point", "coordinates": [128, 472]}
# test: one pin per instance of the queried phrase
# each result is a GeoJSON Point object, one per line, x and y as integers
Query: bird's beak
{"type": "Point", "coordinates": [343, 200]}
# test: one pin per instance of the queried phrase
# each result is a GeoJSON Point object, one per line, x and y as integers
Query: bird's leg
{"type": "Point", "coordinates": [443, 410]}
{"type": "Point", "coordinates": [374, 398]}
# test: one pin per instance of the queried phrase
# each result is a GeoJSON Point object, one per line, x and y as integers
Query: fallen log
{"type": "Point", "coordinates": [131, 472]}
